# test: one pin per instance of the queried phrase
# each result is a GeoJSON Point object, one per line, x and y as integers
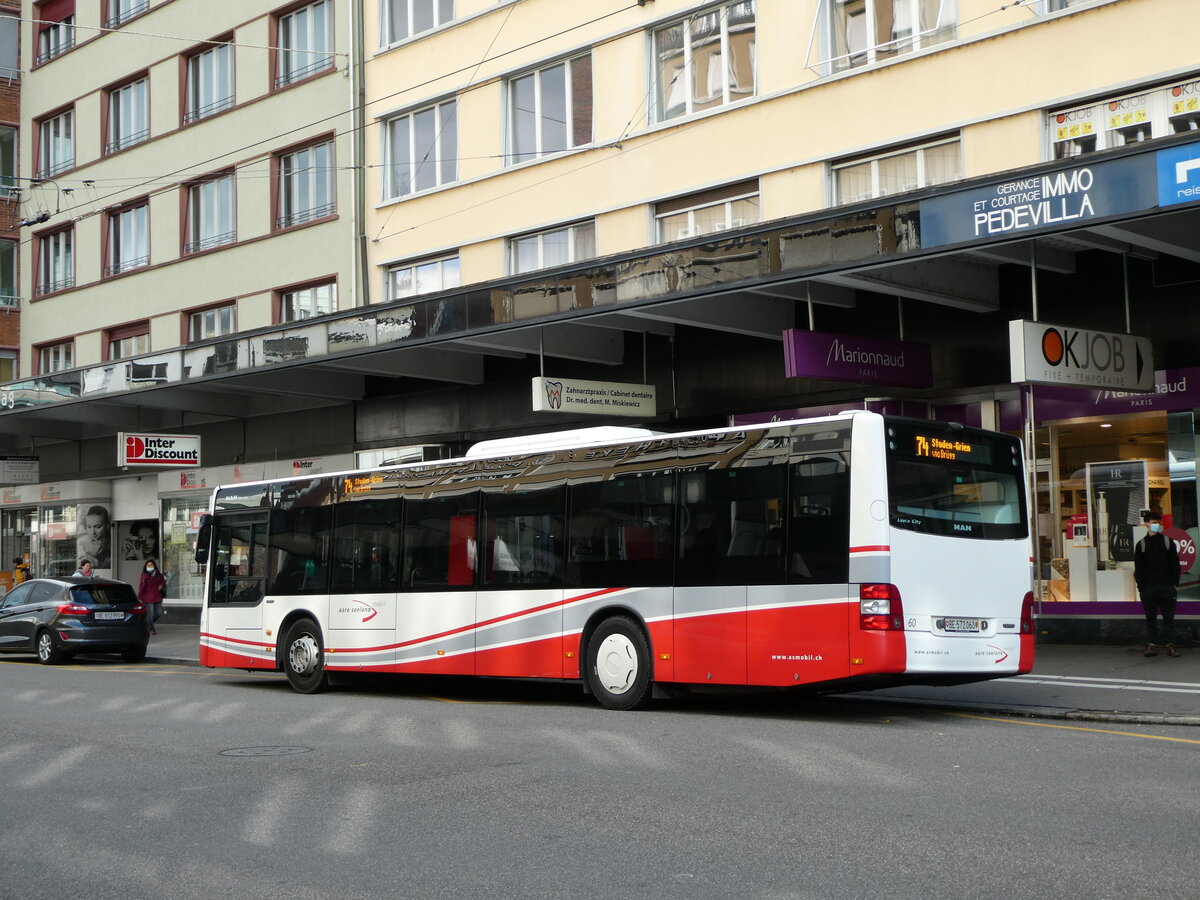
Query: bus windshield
{"type": "Point", "coordinates": [955, 481]}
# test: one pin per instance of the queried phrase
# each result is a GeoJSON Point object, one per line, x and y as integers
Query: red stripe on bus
{"type": "Point", "coordinates": [465, 628]}
{"type": "Point", "coordinates": [871, 548]}
{"type": "Point", "coordinates": [229, 640]}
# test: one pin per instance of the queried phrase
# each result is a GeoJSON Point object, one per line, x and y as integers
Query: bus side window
{"type": "Point", "coordinates": [439, 542]}
{"type": "Point", "coordinates": [366, 545]}
{"type": "Point", "coordinates": [819, 521]}
{"type": "Point", "coordinates": [621, 533]}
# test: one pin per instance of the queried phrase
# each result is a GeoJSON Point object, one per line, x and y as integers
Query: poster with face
{"type": "Point", "coordinates": [140, 540]}
{"type": "Point", "coordinates": [93, 536]}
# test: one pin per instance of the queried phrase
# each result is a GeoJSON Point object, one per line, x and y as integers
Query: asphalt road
{"type": "Point", "coordinates": [149, 781]}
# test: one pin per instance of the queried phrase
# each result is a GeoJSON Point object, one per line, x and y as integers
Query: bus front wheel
{"type": "Point", "coordinates": [618, 664]}
{"type": "Point", "coordinates": [304, 658]}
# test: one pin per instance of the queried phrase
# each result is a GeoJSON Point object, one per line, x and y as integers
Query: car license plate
{"type": "Point", "coordinates": [109, 615]}
{"type": "Point", "coordinates": [961, 626]}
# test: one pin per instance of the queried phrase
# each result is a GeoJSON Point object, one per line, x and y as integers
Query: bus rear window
{"type": "Point", "coordinates": [955, 481]}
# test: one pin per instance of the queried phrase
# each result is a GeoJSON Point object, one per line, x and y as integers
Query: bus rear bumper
{"type": "Point", "coordinates": [985, 656]}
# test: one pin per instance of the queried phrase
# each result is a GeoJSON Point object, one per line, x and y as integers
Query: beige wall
{"type": "Point", "coordinates": [991, 85]}
{"type": "Point", "coordinates": [245, 138]}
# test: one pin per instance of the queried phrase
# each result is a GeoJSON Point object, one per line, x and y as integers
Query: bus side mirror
{"type": "Point", "coordinates": [204, 539]}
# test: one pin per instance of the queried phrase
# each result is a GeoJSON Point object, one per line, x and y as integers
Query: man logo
{"type": "Point", "coordinates": [1052, 346]}
{"type": "Point", "coordinates": [554, 394]}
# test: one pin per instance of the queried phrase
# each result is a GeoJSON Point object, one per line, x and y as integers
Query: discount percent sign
{"type": "Point", "coordinates": [1186, 545]}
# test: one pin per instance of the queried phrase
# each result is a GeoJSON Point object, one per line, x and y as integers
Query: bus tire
{"type": "Point", "coordinates": [304, 658]}
{"type": "Point", "coordinates": [618, 664]}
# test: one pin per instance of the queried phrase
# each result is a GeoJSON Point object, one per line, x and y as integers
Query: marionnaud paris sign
{"type": "Point", "coordinates": [158, 449]}
{"type": "Point", "coordinates": [1040, 353]}
{"type": "Point", "coordinates": [604, 398]}
{"type": "Point", "coordinates": [845, 357]}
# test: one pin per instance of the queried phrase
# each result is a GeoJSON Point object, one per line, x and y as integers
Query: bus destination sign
{"type": "Point", "coordinates": [932, 446]}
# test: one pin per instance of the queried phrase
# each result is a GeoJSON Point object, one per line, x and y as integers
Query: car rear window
{"type": "Point", "coordinates": [103, 594]}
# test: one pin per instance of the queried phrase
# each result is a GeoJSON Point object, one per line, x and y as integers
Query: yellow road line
{"type": "Point", "coordinates": [1149, 737]}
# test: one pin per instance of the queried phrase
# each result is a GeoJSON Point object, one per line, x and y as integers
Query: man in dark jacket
{"type": "Point", "coordinates": [1156, 571]}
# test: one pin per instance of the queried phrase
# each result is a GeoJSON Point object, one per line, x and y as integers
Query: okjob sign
{"type": "Point", "coordinates": [1039, 202]}
{"type": "Point", "coordinates": [158, 449]}
{"type": "Point", "coordinates": [1056, 354]}
{"type": "Point", "coordinates": [605, 398]}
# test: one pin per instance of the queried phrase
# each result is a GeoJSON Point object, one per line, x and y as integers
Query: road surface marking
{"type": "Point", "coordinates": [1150, 737]}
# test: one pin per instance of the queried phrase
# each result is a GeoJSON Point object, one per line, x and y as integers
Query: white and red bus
{"type": "Point", "coordinates": [852, 550]}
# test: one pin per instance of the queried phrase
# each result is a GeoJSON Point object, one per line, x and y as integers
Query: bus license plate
{"type": "Point", "coordinates": [961, 626]}
{"type": "Point", "coordinates": [110, 615]}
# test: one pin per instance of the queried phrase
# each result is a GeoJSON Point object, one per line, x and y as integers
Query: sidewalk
{"type": "Point", "coordinates": [1069, 681]}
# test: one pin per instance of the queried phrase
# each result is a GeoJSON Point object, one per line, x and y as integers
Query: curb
{"type": "Point", "coordinates": [1040, 712]}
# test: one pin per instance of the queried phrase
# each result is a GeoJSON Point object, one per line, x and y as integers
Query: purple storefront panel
{"type": "Point", "coordinates": [1174, 389]}
{"type": "Point", "coordinates": [1130, 609]}
{"type": "Point", "coordinates": [845, 357]}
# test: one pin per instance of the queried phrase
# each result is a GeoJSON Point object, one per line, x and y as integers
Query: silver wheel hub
{"type": "Point", "coordinates": [616, 664]}
{"type": "Point", "coordinates": [304, 655]}
{"type": "Point", "coordinates": [45, 645]}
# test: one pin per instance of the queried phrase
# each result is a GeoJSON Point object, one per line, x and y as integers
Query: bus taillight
{"type": "Point", "coordinates": [879, 608]}
{"type": "Point", "coordinates": [1027, 613]}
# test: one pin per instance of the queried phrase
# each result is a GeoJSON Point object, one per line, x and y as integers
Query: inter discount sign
{"type": "Point", "coordinates": [158, 449]}
{"type": "Point", "coordinates": [1079, 357]}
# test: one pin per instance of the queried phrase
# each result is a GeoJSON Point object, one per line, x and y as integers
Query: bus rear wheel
{"type": "Point", "coordinates": [304, 658]}
{"type": "Point", "coordinates": [618, 664]}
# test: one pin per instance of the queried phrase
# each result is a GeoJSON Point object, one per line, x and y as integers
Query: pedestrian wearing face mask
{"type": "Point", "coordinates": [151, 588]}
{"type": "Point", "coordinates": [1156, 571]}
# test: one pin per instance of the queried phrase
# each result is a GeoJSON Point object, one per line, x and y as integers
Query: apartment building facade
{"type": "Point", "coordinates": [688, 196]}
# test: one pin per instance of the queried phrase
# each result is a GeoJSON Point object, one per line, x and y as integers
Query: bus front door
{"type": "Point", "coordinates": [237, 587]}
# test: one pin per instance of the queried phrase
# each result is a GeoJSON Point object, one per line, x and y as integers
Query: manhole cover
{"type": "Point", "coordinates": [265, 751]}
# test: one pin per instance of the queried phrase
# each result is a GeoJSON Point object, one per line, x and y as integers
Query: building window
{"type": "Point", "coordinates": [556, 247]}
{"type": "Point", "coordinates": [209, 82]}
{"type": "Point", "coordinates": [56, 357]}
{"type": "Point", "coordinates": [1126, 119]}
{"type": "Point", "coordinates": [10, 58]}
{"type": "Point", "coordinates": [55, 28]}
{"type": "Point", "coordinates": [217, 321]}
{"type": "Point", "coordinates": [705, 60]}
{"type": "Point", "coordinates": [8, 275]}
{"type": "Point", "coordinates": [119, 12]}
{"type": "Point", "coordinates": [400, 19]}
{"type": "Point", "coordinates": [550, 110]}
{"type": "Point", "coordinates": [8, 365]}
{"type": "Point", "coordinates": [128, 239]}
{"type": "Point", "coordinates": [56, 144]}
{"type": "Point", "coordinates": [425, 277]}
{"type": "Point", "coordinates": [56, 268]}
{"type": "Point", "coordinates": [898, 172]}
{"type": "Point", "coordinates": [421, 150]}
{"type": "Point", "coordinates": [210, 214]}
{"type": "Point", "coordinates": [130, 340]}
{"type": "Point", "coordinates": [867, 31]}
{"type": "Point", "coordinates": [305, 40]}
{"type": "Point", "coordinates": [731, 206]}
{"type": "Point", "coordinates": [8, 163]}
{"type": "Point", "coordinates": [128, 117]}
{"type": "Point", "coordinates": [306, 190]}
{"type": "Point", "coordinates": [306, 302]}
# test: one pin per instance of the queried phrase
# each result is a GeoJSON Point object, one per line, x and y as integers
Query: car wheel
{"type": "Point", "coordinates": [304, 658]}
{"type": "Point", "coordinates": [48, 651]}
{"type": "Point", "coordinates": [133, 653]}
{"type": "Point", "coordinates": [618, 664]}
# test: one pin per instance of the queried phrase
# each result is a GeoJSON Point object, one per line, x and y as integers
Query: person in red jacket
{"type": "Point", "coordinates": [151, 588]}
